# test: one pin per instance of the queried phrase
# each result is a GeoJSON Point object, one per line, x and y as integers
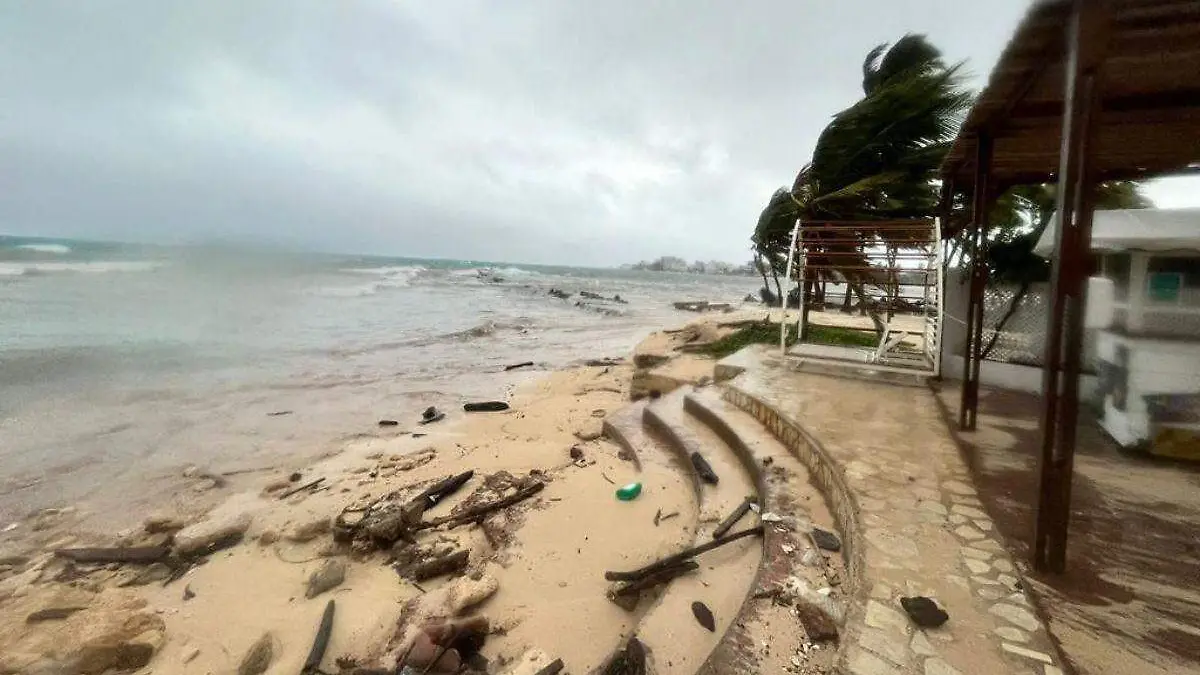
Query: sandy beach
{"type": "Point", "coordinates": [534, 571]}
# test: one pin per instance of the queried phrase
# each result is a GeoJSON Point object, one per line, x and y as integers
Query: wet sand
{"type": "Point", "coordinates": [547, 556]}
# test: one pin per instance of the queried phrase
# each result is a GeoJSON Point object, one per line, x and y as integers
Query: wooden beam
{"type": "Point", "coordinates": [1087, 37]}
{"type": "Point", "coordinates": [968, 408]}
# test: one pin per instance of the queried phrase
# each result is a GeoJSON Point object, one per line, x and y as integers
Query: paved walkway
{"type": "Point", "coordinates": [912, 519]}
{"type": "Point", "coordinates": [1130, 600]}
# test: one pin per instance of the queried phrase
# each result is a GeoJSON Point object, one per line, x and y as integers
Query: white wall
{"type": "Point", "coordinates": [1009, 376]}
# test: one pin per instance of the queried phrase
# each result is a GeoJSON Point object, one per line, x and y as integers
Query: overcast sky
{"type": "Point", "coordinates": [546, 131]}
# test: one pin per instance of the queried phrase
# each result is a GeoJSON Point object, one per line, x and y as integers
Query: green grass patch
{"type": "Point", "coordinates": [841, 337]}
{"type": "Point", "coordinates": [768, 333]}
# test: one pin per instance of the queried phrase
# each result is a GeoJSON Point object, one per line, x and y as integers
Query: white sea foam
{"type": "Point", "coordinates": [57, 249]}
{"type": "Point", "coordinates": [17, 269]}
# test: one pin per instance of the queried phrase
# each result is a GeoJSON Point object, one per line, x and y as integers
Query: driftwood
{"type": "Point", "coordinates": [704, 469]}
{"type": "Point", "coordinates": [307, 486]}
{"type": "Point", "coordinates": [395, 524]}
{"type": "Point", "coordinates": [312, 664]}
{"type": "Point", "coordinates": [442, 489]}
{"type": "Point", "coordinates": [675, 559]}
{"type": "Point", "coordinates": [447, 564]}
{"type": "Point", "coordinates": [523, 364]}
{"type": "Point", "coordinates": [120, 554]}
{"type": "Point", "coordinates": [553, 668]}
{"type": "Point", "coordinates": [473, 514]}
{"type": "Point", "coordinates": [733, 517]}
{"type": "Point", "coordinates": [486, 406]}
{"type": "Point", "coordinates": [627, 595]}
{"type": "Point", "coordinates": [52, 614]}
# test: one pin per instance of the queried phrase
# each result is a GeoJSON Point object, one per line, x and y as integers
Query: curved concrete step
{"type": "Point", "coordinates": [912, 525]}
{"type": "Point", "coordinates": [677, 642]}
{"type": "Point", "coordinates": [813, 580]}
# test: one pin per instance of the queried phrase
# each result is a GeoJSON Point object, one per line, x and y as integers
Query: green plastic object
{"type": "Point", "coordinates": [628, 493]}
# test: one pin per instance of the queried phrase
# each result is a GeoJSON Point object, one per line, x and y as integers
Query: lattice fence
{"type": "Point", "coordinates": [1022, 340]}
{"type": "Point", "coordinates": [1023, 337]}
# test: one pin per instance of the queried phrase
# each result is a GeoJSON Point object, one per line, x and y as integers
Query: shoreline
{"type": "Point", "coordinates": [552, 549]}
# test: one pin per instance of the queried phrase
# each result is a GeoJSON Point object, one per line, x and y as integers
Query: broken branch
{"type": "Point", "coordinates": [312, 664]}
{"type": "Point", "coordinates": [447, 564]}
{"type": "Point", "coordinates": [307, 486]}
{"type": "Point", "coordinates": [733, 517]}
{"type": "Point", "coordinates": [121, 554]}
{"type": "Point", "coordinates": [676, 558]}
{"type": "Point", "coordinates": [454, 520]}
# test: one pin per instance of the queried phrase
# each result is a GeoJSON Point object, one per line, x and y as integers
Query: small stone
{"type": "Point", "coordinates": [990, 592]}
{"type": "Point", "coordinates": [268, 537]}
{"type": "Point", "coordinates": [310, 530]}
{"type": "Point", "coordinates": [191, 471]}
{"type": "Point", "coordinates": [977, 566]}
{"type": "Point", "coordinates": [162, 524]}
{"type": "Point", "coordinates": [113, 652]}
{"type": "Point", "coordinates": [893, 544]}
{"type": "Point", "coordinates": [576, 453]}
{"type": "Point", "coordinates": [1027, 653]}
{"type": "Point", "coordinates": [920, 645]}
{"type": "Point", "coordinates": [328, 576]}
{"type": "Point", "coordinates": [211, 534]}
{"type": "Point", "coordinates": [1016, 615]}
{"type": "Point", "coordinates": [818, 626]}
{"type": "Point", "coordinates": [924, 611]}
{"type": "Point", "coordinates": [826, 540]}
{"type": "Point", "coordinates": [958, 488]}
{"type": "Point", "coordinates": [935, 666]}
{"type": "Point", "coordinates": [884, 644]}
{"type": "Point", "coordinates": [968, 511]}
{"type": "Point", "coordinates": [1011, 634]}
{"type": "Point", "coordinates": [190, 654]}
{"type": "Point", "coordinates": [153, 573]}
{"type": "Point", "coordinates": [933, 507]}
{"type": "Point", "coordinates": [863, 662]}
{"type": "Point", "coordinates": [969, 552]}
{"type": "Point", "coordinates": [295, 476]}
{"type": "Point", "coordinates": [590, 433]}
{"type": "Point", "coordinates": [880, 616]}
{"type": "Point", "coordinates": [258, 657]}
{"type": "Point", "coordinates": [968, 533]}
{"type": "Point", "coordinates": [276, 485]}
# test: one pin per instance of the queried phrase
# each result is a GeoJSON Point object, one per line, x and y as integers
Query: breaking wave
{"type": "Point", "coordinates": [28, 269]}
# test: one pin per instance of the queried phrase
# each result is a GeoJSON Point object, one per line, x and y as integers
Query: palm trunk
{"type": "Point", "coordinates": [866, 305]}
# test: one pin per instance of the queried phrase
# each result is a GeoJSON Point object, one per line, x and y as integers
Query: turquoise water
{"type": "Point", "coordinates": [121, 363]}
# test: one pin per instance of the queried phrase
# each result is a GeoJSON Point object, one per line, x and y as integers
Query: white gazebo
{"type": "Point", "coordinates": [1146, 310]}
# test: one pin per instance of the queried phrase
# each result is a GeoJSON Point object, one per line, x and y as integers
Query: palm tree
{"type": "Point", "coordinates": [876, 161]}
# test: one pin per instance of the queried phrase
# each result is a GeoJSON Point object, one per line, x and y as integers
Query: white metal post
{"type": "Point", "coordinates": [783, 325]}
{"type": "Point", "coordinates": [803, 301]}
{"type": "Point", "coordinates": [939, 259]}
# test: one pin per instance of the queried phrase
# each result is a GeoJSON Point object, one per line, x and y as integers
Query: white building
{"type": "Point", "coordinates": [1147, 320]}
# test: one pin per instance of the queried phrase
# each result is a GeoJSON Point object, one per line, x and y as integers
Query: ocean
{"type": "Point", "coordinates": [121, 364]}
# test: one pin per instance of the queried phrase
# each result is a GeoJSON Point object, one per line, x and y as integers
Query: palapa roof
{"type": "Point", "coordinates": [1150, 118]}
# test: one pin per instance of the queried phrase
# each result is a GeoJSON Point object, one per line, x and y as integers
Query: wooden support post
{"type": "Point", "coordinates": [1086, 38]}
{"type": "Point", "coordinates": [980, 204]}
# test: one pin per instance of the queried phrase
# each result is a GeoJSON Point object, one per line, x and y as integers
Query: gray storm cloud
{"type": "Point", "coordinates": [540, 131]}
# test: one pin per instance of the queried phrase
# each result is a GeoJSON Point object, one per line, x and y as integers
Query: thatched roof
{"type": "Point", "coordinates": [1150, 119]}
